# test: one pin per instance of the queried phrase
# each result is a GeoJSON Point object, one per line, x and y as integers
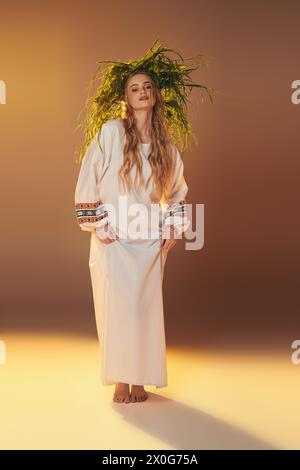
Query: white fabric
{"type": "Point", "coordinates": [127, 274]}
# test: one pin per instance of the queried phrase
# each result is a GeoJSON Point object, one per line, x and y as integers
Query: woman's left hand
{"type": "Point", "coordinates": [168, 243]}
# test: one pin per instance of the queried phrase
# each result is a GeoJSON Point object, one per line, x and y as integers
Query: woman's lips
{"type": "Point", "coordinates": [144, 98]}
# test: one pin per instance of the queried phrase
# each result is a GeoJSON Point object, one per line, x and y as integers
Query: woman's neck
{"type": "Point", "coordinates": [143, 125]}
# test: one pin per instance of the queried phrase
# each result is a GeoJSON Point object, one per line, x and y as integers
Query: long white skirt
{"type": "Point", "coordinates": [127, 280]}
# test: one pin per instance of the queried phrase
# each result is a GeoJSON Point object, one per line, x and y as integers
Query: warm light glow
{"type": "Point", "coordinates": [51, 398]}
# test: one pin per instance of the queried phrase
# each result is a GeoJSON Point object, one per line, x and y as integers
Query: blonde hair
{"type": "Point", "coordinates": [161, 156]}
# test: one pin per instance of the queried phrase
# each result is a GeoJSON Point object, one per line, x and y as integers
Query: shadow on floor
{"type": "Point", "coordinates": [183, 427]}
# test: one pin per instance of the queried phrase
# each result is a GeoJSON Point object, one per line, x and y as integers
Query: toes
{"type": "Point", "coordinates": [121, 398]}
{"type": "Point", "coordinates": [138, 398]}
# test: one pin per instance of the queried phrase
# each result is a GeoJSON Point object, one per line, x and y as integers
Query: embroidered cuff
{"type": "Point", "coordinates": [91, 215]}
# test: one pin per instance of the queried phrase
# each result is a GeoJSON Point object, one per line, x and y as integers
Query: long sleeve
{"type": "Point", "coordinates": [90, 210]}
{"type": "Point", "coordinates": [175, 213]}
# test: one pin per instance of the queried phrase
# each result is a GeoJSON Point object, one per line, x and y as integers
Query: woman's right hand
{"type": "Point", "coordinates": [104, 234]}
{"type": "Point", "coordinates": [107, 240]}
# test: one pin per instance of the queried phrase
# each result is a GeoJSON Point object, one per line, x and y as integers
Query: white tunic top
{"type": "Point", "coordinates": [127, 274]}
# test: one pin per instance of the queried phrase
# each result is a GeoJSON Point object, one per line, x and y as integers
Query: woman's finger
{"type": "Point", "coordinates": [107, 240]}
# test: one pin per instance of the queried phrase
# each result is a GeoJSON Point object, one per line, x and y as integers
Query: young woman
{"type": "Point", "coordinates": [131, 167]}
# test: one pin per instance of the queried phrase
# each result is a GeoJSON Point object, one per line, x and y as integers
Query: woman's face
{"type": "Point", "coordinates": [140, 92]}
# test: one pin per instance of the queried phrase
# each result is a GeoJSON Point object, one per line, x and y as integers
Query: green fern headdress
{"type": "Point", "coordinates": [172, 76]}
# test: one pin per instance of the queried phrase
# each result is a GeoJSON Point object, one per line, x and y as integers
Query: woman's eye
{"type": "Point", "coordinates": [147, 86]}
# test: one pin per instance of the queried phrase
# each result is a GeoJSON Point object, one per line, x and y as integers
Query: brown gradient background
{"type": "Point", "coordinates": [242, 288]}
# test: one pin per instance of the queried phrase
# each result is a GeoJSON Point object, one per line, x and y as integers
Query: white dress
{"type": "Point", "coordinates": [127, 274]}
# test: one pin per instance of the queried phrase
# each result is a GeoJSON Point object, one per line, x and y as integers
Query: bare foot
{"type": "Point", "coordinates": [121, 394]}
{"type": "Point", "coordinates": [138, 393]}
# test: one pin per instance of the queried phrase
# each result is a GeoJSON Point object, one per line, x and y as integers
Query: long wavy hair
{"type": "Point", "coordinates": [162, 150]}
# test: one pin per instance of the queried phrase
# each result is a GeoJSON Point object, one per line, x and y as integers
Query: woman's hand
{"type": "Point", "coordinates": [168, 243]}
{"type": "Point", "coordinates": [102, 232]}
{"type": "Point", "coordinates": [107, 240]}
